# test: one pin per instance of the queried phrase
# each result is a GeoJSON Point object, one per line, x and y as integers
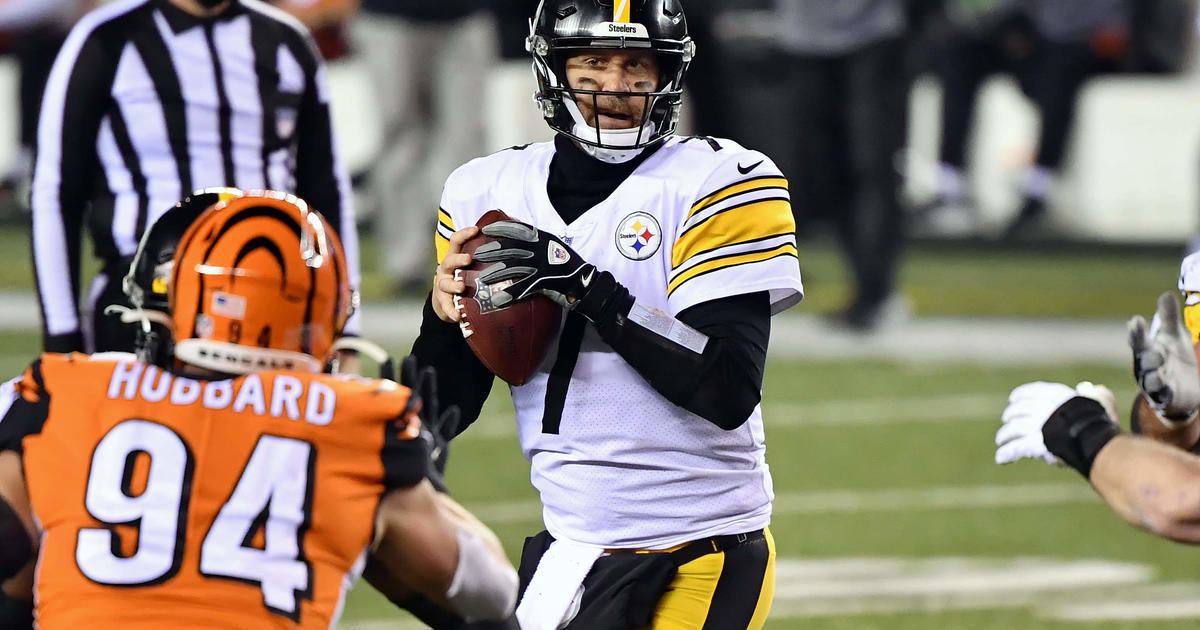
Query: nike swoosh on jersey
{"type": "Point", "coordinates": [587, 280]}
{"type": "Point", "coordinates": [746, 169]}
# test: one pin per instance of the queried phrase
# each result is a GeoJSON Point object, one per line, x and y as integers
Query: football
{"type": "Point", "coordinates": [512, 341]}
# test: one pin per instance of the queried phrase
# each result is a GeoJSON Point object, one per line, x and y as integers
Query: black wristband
{"type": "Point", "coordinates": [606, 303]}
{"type": "Point", "coordinates": [1076, 432]}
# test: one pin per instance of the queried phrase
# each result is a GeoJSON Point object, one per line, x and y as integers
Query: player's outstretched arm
{"type": "Point", "coordinates": [425, 544]}
{"type": "Point", "coordinates": [1151, 485]}
{"type": "Point", "coordinates": [1164, 366]}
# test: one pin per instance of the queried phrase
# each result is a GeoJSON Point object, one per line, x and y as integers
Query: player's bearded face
{"type": "Point", "coordinates": [634, 71]}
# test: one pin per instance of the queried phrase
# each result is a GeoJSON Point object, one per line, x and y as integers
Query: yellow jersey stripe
{"type": "Point", "coordinates": [621, 11]}
{"type": "Point", "coordinates": [441, 244]}
{"type": "Point", "coordinates": [750, 221]}
{"type": "Point", "coordinates": [737, 188]}
{"type": "Point", "coordinates": [726, 262]}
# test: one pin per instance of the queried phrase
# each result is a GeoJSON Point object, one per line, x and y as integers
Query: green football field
{"type": "Point", "coordinates": [890, 512]}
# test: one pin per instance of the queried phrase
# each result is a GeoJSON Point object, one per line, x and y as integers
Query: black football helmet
{"type": "Point", "coordinates": [146, 282]}
{"type": "Point", "coordinates": [562, 28]}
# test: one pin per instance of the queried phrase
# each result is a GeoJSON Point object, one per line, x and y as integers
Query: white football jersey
{"type": "Point", "coordinates": [617, 465]}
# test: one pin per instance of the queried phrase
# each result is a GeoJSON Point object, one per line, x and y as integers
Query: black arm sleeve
{"type": "Point", "coordinates": [461, 378]}
{"type": "Point", "coordinates": [721, 385]}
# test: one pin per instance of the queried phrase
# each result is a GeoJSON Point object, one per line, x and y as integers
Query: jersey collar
{"type": "Point", "coordinates": [180, 20]}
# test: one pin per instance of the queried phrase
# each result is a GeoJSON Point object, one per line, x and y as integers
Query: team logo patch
{"type": "Point", "coordinates": [639, 236]}
{"type": "Point", "coordinates": [557, 254]}
{"type": "Point", "coordinates": [285, 122]}
{"type": "Point", "coordinates": [484, 293]}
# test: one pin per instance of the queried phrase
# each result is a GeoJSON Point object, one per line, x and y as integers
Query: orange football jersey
{"type": "Point", "coordinates": [175, 502]}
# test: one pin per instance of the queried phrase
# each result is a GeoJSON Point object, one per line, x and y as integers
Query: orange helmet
{"type": "Point", "coordinates": [259, 282]}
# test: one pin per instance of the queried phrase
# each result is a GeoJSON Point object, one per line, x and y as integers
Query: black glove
{"type": "Point", "coordinates": [536, 261]}
{"type": "Point", "coordinates": [435, 427]}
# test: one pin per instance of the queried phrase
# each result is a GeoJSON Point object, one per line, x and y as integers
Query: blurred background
{"type": "Point", "coordinates": [984, 191]}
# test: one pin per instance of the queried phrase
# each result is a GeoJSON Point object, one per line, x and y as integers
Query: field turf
{"type": "Point", "coordinates": [890, 513]}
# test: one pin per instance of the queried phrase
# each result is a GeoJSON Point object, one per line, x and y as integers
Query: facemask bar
{"type": "Point", "coordinates": [557, 100]}
{"type": "Point", "coordinates": [645, 128]}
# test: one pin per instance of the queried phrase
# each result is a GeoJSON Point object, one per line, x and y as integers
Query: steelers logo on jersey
{"type": "Point", "coordinates": [638, 236]}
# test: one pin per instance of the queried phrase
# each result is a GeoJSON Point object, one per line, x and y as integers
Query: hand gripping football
{"type": "Point", "coordinates": [513, 340]}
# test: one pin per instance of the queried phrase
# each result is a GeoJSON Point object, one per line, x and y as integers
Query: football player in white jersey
{"type": "Point", "coordinates": [669, 256]}
{"type": "Point", "coordinates": [1150, 480]}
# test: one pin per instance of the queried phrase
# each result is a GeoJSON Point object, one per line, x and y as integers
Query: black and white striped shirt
{"type": "Point", "coordinates": [147, 103]}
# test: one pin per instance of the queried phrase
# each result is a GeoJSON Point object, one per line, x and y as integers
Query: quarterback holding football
{"type": "Point", "coordinates": [668, 257]}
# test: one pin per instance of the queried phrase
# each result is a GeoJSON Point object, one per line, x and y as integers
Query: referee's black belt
{"type": "Point", "coordinates": [689, 551]}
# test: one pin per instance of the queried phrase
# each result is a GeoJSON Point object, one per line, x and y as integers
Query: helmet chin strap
{"type": "Point", "coordinates": [612, 138]}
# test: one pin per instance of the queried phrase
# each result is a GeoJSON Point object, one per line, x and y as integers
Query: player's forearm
{"type": "Point", "coordinates": [708, 371]}
{"type": "Point", "coordinates": [434, 551]}
{"type": "Point", "coordinates": [1146, 420]}
{"type": "Point", "coordinates": [1151, 485]}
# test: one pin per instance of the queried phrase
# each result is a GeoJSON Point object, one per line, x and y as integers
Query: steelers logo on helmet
{"type": "Point", "coordinates": [638, 236]}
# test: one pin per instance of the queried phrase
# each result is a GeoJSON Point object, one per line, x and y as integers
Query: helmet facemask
{"type": "Point", "coordinates": [558, 101]}
{"type": "Point", "coordinates": [146, 282]}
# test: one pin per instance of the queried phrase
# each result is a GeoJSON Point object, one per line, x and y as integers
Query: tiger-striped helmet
{"type": "Point", "coordinates": [259, 282]}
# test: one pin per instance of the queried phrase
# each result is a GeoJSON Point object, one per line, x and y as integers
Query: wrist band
{"type": "Point", "coordinates": [1076, 432]}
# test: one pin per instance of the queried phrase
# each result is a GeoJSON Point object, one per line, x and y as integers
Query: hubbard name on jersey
{"type": "Point", "coordinates": [231, 502]}
{"type": "Point", "coordinates": [698, 220]}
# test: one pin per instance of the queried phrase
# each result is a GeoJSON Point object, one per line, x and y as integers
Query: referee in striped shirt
{"type": "Point", "coordinates": [150, 100]}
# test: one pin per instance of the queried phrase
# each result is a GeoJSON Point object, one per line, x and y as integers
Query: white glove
{"type": "Point", "coordinates": [1029, 406]}
{"type": "Point", "coordinates": [1164, 362]}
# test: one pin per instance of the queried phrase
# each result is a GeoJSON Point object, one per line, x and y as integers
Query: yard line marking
{"type": "Point", "coordinates": [1084, 589]}
{"type": "Point", "coordinates": [966, 407]}
{"type": "Point", "coordinates": [850, 586]}
{"type": "Point", "coordinates": [858, 501]}
{"type": "Point", "coordinates": [943, 408]}
{"type": "Point", "coordinates": [1171, 600]}
{"type": "Point", "coordinates": [1129, 611]}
